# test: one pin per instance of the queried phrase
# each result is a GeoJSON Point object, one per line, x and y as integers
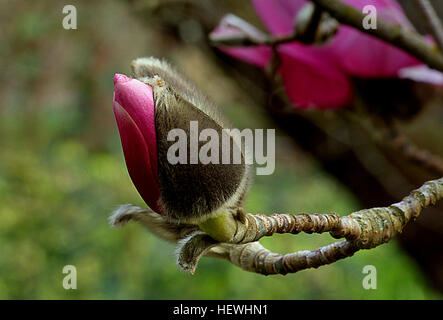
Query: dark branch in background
{"type": "Point", "coordinates": [415, 154]}
{"type": "Point", "coordinates": [246, 41]}
{"type": "Point", "coordinates": [385, 134]}
{"type": "Point", "coordinates": [407, 40]}
{"type": "Point", "coordinates": [433, 21]}
{"type": "Point", "coordinates": [308, 34]}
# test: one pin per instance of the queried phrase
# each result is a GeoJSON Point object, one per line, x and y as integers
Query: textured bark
{"type": "Point", "coordinates": [364, 229]}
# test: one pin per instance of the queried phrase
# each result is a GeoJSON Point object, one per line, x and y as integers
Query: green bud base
{"type": "Point", "coordinates": [222, 227]}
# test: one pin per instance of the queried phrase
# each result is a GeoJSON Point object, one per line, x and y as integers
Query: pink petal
{"type": "Point", "coordinates": [134, 111]}
{"type": "Point", "coordinates": [366, 56]}
{"type": "Point", "coordinates": [258, 56]}
{"type": "Point", "coordinates": [311, 81]}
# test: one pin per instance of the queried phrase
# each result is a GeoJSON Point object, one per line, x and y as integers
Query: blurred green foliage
{"type": "Point", "coordinates": [62, 172]}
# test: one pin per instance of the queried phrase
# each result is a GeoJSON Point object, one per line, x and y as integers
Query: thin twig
{"type": "Point", "coordinates": [308, 35]}
{"type": "Point", "coordinates": [387, 135]}
{"type": "Point", "coordinates": [413, 153]}
{"type": "Point", "coordinates": [246, 41]}
{"type": "Point", "coordinates": [434, 23]}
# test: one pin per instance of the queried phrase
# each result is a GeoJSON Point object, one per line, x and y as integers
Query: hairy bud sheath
{"type": "Point", "coordinates": [147, 107]}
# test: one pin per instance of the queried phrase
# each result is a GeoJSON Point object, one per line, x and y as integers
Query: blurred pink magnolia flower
{"type": "Point", "coordinates": [320, 76]}
{"type": "Point", "coordinates": [134, 111]}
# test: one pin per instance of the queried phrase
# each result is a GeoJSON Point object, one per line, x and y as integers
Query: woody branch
{"type": "Point", "coordinates": [364, 229]}
{"type": "Point", "coordinates": [433, 21]}
{"type": "Point", "coordinates": [385, 134]}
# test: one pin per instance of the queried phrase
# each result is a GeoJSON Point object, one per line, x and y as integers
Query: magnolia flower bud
{"type": "Point", "coordinates": [147, 107]}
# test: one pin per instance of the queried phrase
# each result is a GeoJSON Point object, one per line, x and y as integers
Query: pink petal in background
{"type": "Point", "coordinates": [312, 82]}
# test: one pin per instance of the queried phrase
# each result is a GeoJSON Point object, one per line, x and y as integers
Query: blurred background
{"type": "Point", "coordinates": [62, 170]}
